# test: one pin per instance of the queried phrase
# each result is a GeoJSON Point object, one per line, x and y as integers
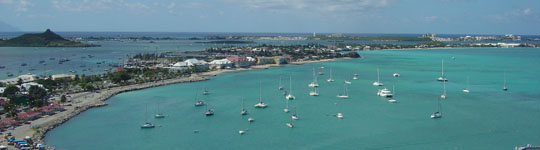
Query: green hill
{"type": "Point", "coordinates": [45, 39]}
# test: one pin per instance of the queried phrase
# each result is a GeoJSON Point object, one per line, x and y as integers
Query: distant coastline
{"type": "Point", "coordinates": [45, 39]}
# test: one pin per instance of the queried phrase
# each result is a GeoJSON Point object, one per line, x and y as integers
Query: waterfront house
{"type": "Point", "coordinates": [26, 86]}
{"type": "Point", "coordinates": [24, 78]}
{"type": "Point", "coordinates": [64, 77]}
{"type": "Point", "coordinates": [220, 64]}
{"type": "Point", "coordinates": [28, 116]}
{"type": "Point", "coordinates": [200, 64]}
{"type": "Point", "coordinates": [241, 62]}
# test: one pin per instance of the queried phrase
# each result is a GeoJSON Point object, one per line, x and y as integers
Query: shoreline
{"type": "Point", "coordinates": [86, 100]}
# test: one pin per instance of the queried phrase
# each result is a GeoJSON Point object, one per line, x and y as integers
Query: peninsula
{"type": "Point", "coordinates": [45, 39]}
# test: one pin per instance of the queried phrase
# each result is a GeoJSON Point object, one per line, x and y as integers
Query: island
{"type": "Point", "coordinates": [45, 39]}
{"type": "Point", "coordinates": [228, 42]}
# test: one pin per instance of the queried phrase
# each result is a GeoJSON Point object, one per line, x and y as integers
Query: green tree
{"type": "Point", "coordinates": [10, 109]}
{"type": "Point", "coordinates": [11, 91]}
{"type": "Point", "coordinates": [36, 96]}
{"type": "Point", "coordinates": [63, 99]}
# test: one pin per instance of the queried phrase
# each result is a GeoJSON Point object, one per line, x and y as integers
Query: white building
{"type": "Point", "coordinates": [221, 63]}
{"type": "Point", "coordinates": [25, 78]}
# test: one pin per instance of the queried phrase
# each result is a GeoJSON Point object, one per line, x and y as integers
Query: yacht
{"type": "Point", "coordinates": [355, 77]}
{"type": "Point", "coordinates": [260, 104]}
{"type": "Point", "coordinates": [396, 75]}
{"type": "Point", "coordinates": [384, 92]}
{"type": "Point", "coordinates": [314, 92]}
{"type": "Point", "coordinates": [294, 116]}
{"type": "Point", "coordinates": [442, 77]}
{"type": "Point", "coordinates": [438, 113]}
{"type": "Point", "coordinates": [314, 82]}
{"type": "Point", "coordinates": [209, 112]}
{"type": "Point", "coordinates": [466, 90]}
{"type": "Point", "coordinates": [330, 79]}
{"type": "Point", "coordinates": [241, 132]}
{"type": "Point", "coordinates": [286, 109]}
{"type": "Point", "coordinates": [289, 124]}
{"type": "Point", "coordinates": [392, 100]}
{"type": "Point", "coordinates": [345, 94]}
{"type": "Point", "coordinates": [250, 119]}
{"type": "Point", "coordinates": [347, 82]}
{"type": "Point", "coordinates": [146, 123]}
{"type": "Point", "coordinates": [280, 86]}
{"type": "Point", "coordinates": [505, 88]}
{"type": "Point", "coordinates": [443, 95]}
{"type": "Point", "coordinates": [290, 96]}
{"type": "Point", "coordinates": [205, 92]}
{"type": "Point", "coordinates": [199, 103]}
{"type": "Point", "coordinates": [244, 111]}
{"type": "Point", "coordinates": [339, 115]}
{"type": "Point", "coordinates": [159, 114]}
{"type": "Point", "coordinates": [378, 82]}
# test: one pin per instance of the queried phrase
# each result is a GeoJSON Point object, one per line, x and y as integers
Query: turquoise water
{"type": "Point", "coordinates": [486, 118]}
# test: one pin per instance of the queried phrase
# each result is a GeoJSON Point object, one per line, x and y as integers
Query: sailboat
{"type": "Point", "coordinates": [199, 102]}
{"type": "Point", "coordinates": [384, 92]}
{"type": "Point", "coordinates": [314, 92]}
{"type": "Point", "coordinates": [206, 92]}
{"type": "Point", "coordinates": [466, 90]}
{"type": "Point", "coordinates": [159, 114]}
{"type": "Point", "coordinates": [289, 124]}
{"type": "Point", "coordinates": [355, 77]}
{"type": "Point", "coordinates": [443, 95]}
{"type": "Point", "coordinates": [314, 82]}
{"type": "Point", "coordinates": [438, 113]}
{"type": "Point", "coordinates": [442, 78]}
{"type": "Point", "coordinates": [244, 111]}
{"type": "Point", "coordinates": [146, 123]}
{"type": "Point", "coordinates": [294, 116]}
{"type": "Point", "coordinates": [280, 86]}
{"type": "Point", "coordinates": [250, 119]}
{"type": "Point", "coordinates": [505, 88]}
{"type": "Point", "coordinates": [378, 82]}
{"type": "Point", "coordinates": [260, 104]}
{"type": "Point", "coordinates": [347, 82]}
{"type": "Point", "coordinates": [290, 96]}
{"type": "Point", "coordinates": [392, 100]}
{"type": "Point", "coordinates": [330, 79]}
{"type": "Point", "coordinates": [209, 112]}
{"type": "Point", "coordinates": [321, 71]}
{"type": "Point", "coordinates": [286, 109]}
{"type": "Point", "coordinates": [339, 115]}
{"type": "Point", "coordinates": [345, 94]}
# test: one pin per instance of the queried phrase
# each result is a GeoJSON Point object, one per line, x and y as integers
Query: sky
{"type": "Point", "coordinates": [276, 16]}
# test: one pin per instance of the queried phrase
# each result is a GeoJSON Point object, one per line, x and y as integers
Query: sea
{"type": "Point", "coordinates": [485, 118]}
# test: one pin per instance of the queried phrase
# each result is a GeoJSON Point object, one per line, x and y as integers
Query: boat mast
{"type": "Point", "coordinates": [260, 92]}
{"type": "Point", "coordinates": [290, 84]}
{"type": "Point", "coordinates": [378, 76]}
{"type": "Point", "coordinates": [442, 68]}
{"type": "Point", "coordinates": [444, 88]}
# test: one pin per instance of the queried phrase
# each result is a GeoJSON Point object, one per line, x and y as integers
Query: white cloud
{"type": "Point", "coordinates": [100, 6]}
{"type": "Point", "coordinates": [314, 6]}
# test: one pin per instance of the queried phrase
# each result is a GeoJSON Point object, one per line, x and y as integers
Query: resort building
{"type": "Point", "coordinates": [241, 62]}
{"type": "Point", "coordinates": [220, 64]}
{"type": "Point", "coordinates": [65, 77]}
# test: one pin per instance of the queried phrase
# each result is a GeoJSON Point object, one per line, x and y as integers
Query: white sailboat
{"type": "Point", "coordinates": [442, 77]}
{"type": "Point", "coordinates": [290, 96]}
{"type": "Point", "coordinates": [206, 92]}
{"type": "Point", "coordinates": [280, 86]}
{"type": "Point", "coordinates": [355, 77]}
{"type": "Point", "coordinates": [314, 92]}
{"type": "Point", "coordinates": [314, 82]}
{"type": "Point", "coordinates": [347, 82]}
{"type": "Point", "coordinates": [384, 92]}
{"type": "Point", "coordinates": [438, 113]}
{"type": "Point", "coordinates": [330, 79]}
{"type": "Point", "coordinates": [209, 112]}
{"type": "Point", "coordinates": [345, 94]}
{"type": "Point", "coordinates": [250, 119]}
{"type": "Point", "coordinates": [321, 71]}
{"type": "Point", "coordinates": [289, 124]}
{"type": "Point", "coordinates": [339, 115]}
{"type": "Point", "coordinates": [198, 102]}
{"type": "Point", "coordinates": [159, 114]}
{"type": "Point", "coordinates": [505, 88]}
{"type": "Point", "coordinates": [244, 111]}
{"type": "Point", "coordinates": [378, 82]}
{"type": "Point", "coordinates": [146, 123]}
{"type": "Point", "coordinates": [466, 90]}
{"type": "Point", "coordinates": [260, 104]}
{"type": "Point", "coordinates": [295, 115]}
{"type": "Point", "coordinates": [392, 100]}
{"type": "Point", "coordinates": [396, 74]}
{"type": "Point", "coordinates": [286, 109]}
{"type": "Point", "coordinates": [443, 95]}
